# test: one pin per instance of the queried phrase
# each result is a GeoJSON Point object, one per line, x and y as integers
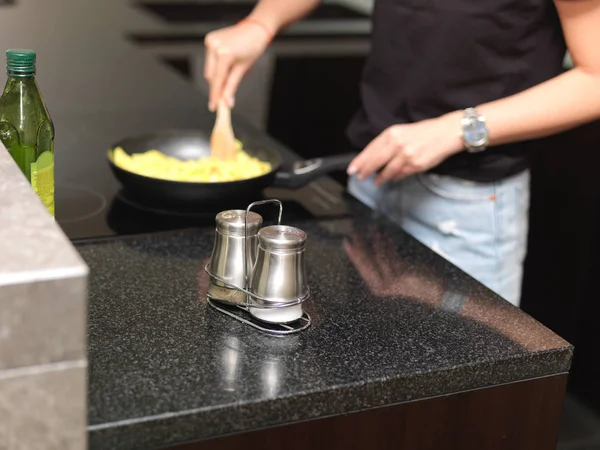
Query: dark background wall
{"type": "Point", "coordinates": [563, 263]}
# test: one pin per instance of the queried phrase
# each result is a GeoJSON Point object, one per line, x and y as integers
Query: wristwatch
{"type": "Point", "coordinates": [475, 133]}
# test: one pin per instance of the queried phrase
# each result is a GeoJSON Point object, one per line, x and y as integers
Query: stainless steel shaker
{"type": "Point", "coordinates": [278, 276]}
{"type": "Point", "coordinates": [229, 250]}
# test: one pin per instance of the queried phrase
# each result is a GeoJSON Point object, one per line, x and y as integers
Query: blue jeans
{"type": "Point", "coordinates": [479, 227]}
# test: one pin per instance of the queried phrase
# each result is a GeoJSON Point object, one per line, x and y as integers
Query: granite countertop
{"type": "Point", "coordinates": [392, 322]}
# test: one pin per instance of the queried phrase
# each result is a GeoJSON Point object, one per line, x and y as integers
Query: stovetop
{"type": "Point", "coordinates": [84, 212]}
{"type": "Point", "coordinates": [91, 203]}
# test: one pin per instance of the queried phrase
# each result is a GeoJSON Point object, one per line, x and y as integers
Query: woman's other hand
{"type": "Point", "coordinates": [403, 150]}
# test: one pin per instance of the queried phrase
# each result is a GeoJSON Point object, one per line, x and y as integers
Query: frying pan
{"type": "Point", "coordinates": [194, 144]}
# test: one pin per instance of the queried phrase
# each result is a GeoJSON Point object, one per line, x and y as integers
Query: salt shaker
{"type": "Point", "coordinates": [279, 275]}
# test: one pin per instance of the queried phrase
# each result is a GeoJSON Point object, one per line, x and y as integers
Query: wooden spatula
{"type": "Point", "coordinates": [222, 139]}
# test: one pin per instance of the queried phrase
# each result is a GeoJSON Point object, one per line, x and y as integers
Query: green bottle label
{"type": "Point", "coordinates": [42, 179]}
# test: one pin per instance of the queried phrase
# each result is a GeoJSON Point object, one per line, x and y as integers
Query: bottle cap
{"type": "Point", "coordinates": [20, 61]}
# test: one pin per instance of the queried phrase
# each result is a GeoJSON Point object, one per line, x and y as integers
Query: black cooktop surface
{"type": "Point", "coordinates": [85, 213]}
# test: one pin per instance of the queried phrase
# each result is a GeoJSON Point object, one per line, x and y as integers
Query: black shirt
{"type": "Point", "coordinates": [431, 57]}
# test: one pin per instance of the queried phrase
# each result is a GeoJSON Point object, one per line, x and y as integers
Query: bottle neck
{"type": "Point", "coordinates": [20, 75]}
{"type": "Point", "coordinates": [19, 85]}
{"type": "Point", "coordinates": [19, 82]}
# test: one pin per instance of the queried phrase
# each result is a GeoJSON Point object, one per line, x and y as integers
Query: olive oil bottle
{"type": "Point", "coordinates": [26, 128]}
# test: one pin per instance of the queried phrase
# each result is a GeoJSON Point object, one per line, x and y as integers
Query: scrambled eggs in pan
{"type": "Point", "coordinates": [155, 164]}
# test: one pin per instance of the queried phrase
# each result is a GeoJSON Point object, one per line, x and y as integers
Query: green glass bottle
{"type": "Point", "coordinates": [26, 128]}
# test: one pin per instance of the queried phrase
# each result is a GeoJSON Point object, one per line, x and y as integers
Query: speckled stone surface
{"type": "Point", "coordinates": [32, 246]}
{"type": "Point", "coordinates": [397, 324]}
{"type": "Point", "coordinates": [42, 279]}
{"type": "Point", "coordinates": [42, 322]}
{"type": "Point", "coordinates": [43, 285]}
{"type": "Point", "coordinates": [44, 410]}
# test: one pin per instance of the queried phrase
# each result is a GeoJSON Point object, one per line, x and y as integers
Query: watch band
{"type": "Point", "coordinates": [471, 113]}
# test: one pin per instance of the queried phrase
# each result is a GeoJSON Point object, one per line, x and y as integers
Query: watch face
{"type": "Point", "coordinates": [475, 133]}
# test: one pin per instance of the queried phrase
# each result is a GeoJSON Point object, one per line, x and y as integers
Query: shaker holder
{"type": "Point", "coordinates": [241, 314]}
{"type": "Point", "coordinates": [268, 303]}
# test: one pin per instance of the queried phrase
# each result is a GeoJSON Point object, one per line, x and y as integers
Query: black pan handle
{"type": "Point", "coordinates": [306, 171]}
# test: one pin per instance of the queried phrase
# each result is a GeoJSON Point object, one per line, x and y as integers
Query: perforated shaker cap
{"type": "Point", "coordinates": [281, 237]}
{"type": "Point", "coordinates": [231, 222]}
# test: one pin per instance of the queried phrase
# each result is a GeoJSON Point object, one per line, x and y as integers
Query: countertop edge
{"type": "Point", "coordinates": [208, 423]}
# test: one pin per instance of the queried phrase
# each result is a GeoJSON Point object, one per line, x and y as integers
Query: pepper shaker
{"type": "Point", "coordinates": [229, 251]}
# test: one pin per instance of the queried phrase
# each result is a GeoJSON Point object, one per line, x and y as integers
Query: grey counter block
{"type": "Point", "coordinates": [41, 409]}
{"type": "Point", "coordinates": [166, 368]}
{"type": "Point", "coordinates": [42, 279]}
{"type": "Point", "coordinates": [42, 322]}
{"type": "Point", "coordinates": [43, 304]}
{"type": "Point", "coordinates": [32, 246]}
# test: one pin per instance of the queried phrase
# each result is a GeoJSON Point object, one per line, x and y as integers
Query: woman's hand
{"type": "Point", "coordinates": [403, 150]}
{"type": "Point", "coordinates": [230, 52]}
